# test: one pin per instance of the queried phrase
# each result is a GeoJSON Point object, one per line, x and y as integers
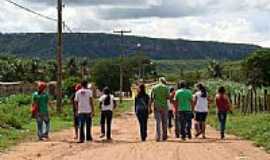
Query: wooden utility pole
{"type": "Point", "coordinates": [121, 32]}
{"type": "Point", "coordinates": [59, 56]}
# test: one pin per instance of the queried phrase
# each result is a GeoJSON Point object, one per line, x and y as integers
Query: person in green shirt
{"type": "Point", "coordinates": [160, 96]}
{"type": "Point", "coordinates": [183, 97]}
{"type": "Point", "coordinates": [41, 99]}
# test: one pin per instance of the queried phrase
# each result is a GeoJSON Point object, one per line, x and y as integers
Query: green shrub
{"type": "Point", "coordinates": [69, 84]}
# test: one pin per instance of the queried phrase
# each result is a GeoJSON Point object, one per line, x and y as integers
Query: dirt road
{"type": "Point", "coordinates": [127, 146]}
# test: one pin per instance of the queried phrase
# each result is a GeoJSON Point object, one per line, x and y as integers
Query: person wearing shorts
{"type": "Point", "coordinates": [201, 109]}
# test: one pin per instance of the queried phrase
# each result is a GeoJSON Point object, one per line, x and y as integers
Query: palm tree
{"type": "Point", "coordinates": [215, 69]}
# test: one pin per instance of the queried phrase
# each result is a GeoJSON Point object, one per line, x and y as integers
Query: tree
{"type": "Point", "coordinates": [215, 69]}
{"type": "Point", "coordinates": [83, 68]}
{"type": "Point", "coordinates": [107, 72]}
{"type": "Point", "coordinates": [52, 70]}
{"type": "Point", "coordinates": [257, 69]}
{"type": "Point", "coordinates": [72, 68]}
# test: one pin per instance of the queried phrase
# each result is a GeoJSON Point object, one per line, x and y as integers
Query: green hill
{"type": "Point", "coordinates": [99, 45]}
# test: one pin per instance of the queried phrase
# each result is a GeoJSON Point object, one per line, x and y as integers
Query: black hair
{"type": "Point", "coordinates": [221, 90]}
{"type": "Point", "coordinates": [182, 84]}
{"type": "Point", "coordinates": [84, 84]}
{"type": "Point", "coordinates": [203, 90]}
{"type": "Point", "coordinates": [172, 89]}
{"type": "Point", "coordinates": [107, 92]}
{"type": "Point", "coordinates": [142, 91]}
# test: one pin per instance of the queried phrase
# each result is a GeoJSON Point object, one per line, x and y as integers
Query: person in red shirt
{"type": "Point", "coordinates": [75, 88]}
{"type": "Point", "coordinates": [223, 107]}
{"type": "Point", "coordinates": [173, 113]}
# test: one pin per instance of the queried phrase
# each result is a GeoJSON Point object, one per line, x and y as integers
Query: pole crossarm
{"type": "Point", "coordinates": [121, 32]}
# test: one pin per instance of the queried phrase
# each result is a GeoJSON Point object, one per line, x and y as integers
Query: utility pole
{"type": "Point", "coordinates": [59, 56]}
{"type": "Point", "coordinates": [121, 32]}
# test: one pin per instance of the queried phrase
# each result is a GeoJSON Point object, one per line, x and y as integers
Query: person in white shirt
{"type": "Point", "coordinates": [107, 105]}
{"type": "Point", "coordinates": [201, 109]}
{"type": "Point", "coordinates": [85, 108]}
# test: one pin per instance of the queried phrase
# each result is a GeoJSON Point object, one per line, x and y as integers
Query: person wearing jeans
{"type": "Point", "coordinates": [85, 121]}
{"type": "Point", "coordinates": [142, 110]}
{"type": "Point", "coordinates": [183, 97]}
{"type": "Point", "coordinates": [159, 96]}
{"type": "Point", "coordinates": [177, 121]}
{"type": "Point", "coordinates": [173, 116]}
{"type": "Point", "coordinates": [161, 116]}
{"type": "Point", "coordinates": [186, 124]}
{"type": "Point", "coordinates": [85, 108]}
{"type": "Point", "coordinates": [107, 104]}
{"type": "Point", "coordinates": [223, 107]}
{"type": "Point", "coordinates": [43, 118]}
{"type": "Point", "coordinates": [222, 118]}
{"type": "Point", "coordinates": [106, 118]}
{"type": "Point", "coordinates": [41, 99]}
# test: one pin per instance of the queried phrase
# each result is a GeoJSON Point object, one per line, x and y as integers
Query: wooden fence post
{"type": "Point", "coordinates": [255, 101]}
{"type": "Point", "coordinates": [260, 104]}
{"type": "Point", "coordinates": [239, 100]}
{"type": "Point", "coordinates": [234, 99]}
{"type": "Point", "coordinates": [251, 101]}
{"type": "Point", "coordinates": [243, 104]}
{"type": "Point", "coordinates": [265, 100]}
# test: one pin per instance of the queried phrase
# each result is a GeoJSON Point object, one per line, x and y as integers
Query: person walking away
{"type": "Point", "coordinates": [41, 100]}
{"type": "Point", "coordinates": [183, 97]}
{"type": "Point", "coordinates": [76, 88]}
{"type": "Point", "coordinates": [223, 107]}
{"type": "Point", "coordinates": [171, 109]}
{"type": "Point", "coordinates": [107, 105]}
{"type": "Point", "coordinates": [201, 109]}
{"type": "Point", "coordinates": [173, 105]}
{"type": "Point", "coordinates": [85, 107]}
{"type": "Point", "coordinates": [142, 110]}
{"type": "Point", "coordinates": [159, 96]}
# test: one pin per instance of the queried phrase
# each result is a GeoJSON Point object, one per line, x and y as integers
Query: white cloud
{"type": "Point", "coordinates": [230, 20]}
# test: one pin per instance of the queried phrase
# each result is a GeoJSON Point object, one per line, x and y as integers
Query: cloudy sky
{"type": "Point", "coordinates": [245, 21]}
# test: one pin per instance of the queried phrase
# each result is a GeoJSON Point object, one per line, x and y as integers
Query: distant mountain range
{"type": "Point", "coordinates": [100, 45]}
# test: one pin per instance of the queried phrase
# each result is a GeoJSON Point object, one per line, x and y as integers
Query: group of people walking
{"type": "Point", "coordinates": [83, 109]}
{"type": "Point", "coordinates": [176, 106]}
{"type": "Point", "coordinates": [179, 105]}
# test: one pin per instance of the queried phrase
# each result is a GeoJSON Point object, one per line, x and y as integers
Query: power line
{"type": "Point", "coordinates": [31, 11]}
{"type": "Point", "coordinates": [39, 14]}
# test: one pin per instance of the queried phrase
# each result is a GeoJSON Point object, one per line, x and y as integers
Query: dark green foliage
{"type": "Point", "coordinates": [95, 45]}
{"type": "Point", "coordinates": [68, 85]}
{"type": "Point", "coordinates": [107, 72]}
{"type": "Point", "coordinates": [257, 68]}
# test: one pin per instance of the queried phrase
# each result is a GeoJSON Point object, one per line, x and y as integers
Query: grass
{"type": "Point", "coordinates": [17, 126]}
{"type": "Point", "coordinates": [254, 127]}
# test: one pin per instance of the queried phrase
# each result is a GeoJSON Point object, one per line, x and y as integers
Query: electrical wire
{"type": "Point", "coordinates": [65, 26]}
